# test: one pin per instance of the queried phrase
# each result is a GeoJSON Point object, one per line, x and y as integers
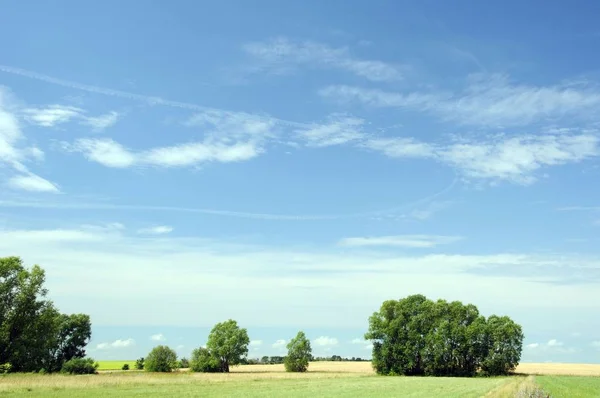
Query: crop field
{"type": "Point", "coordinates": [343, 379]}
{"type": "Point", "coordinates": [115, 365]}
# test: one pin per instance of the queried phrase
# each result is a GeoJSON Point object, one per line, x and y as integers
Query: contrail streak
{"type": "Point", "coordinates": [227, 213]}
{"type": "Point", "coordinates": [151, 100]}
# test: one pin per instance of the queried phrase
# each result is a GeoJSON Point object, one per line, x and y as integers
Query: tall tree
{"type": "Point", "coordinates": [33, 334]}
{"type": "Point", "coordinates": [299, 354]}
{"type": "Point", "coordinates": [229, 343]}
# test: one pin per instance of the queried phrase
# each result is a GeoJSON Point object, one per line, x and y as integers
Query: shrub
{"type": "Point", "coordinates": [80, 366]}
{"type": "Point", "coordinates": [203, 361]}
{"type": "Point", "coordinates": [184, 363]}
{"type": "Point", "coordinates": [5, 368]}
{"type": "Point", "coordinates": [161, 359]}
{"type": "Point", "coordinates": [125, 367]}
{"type": "Point", "coordinates": [139, 364]}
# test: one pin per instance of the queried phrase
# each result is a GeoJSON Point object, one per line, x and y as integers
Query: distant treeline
{"type": "Point", "coordinates": [273, 360]}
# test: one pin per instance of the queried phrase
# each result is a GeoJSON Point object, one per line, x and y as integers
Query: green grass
{"type": "Point", "coordinates": [254, 385]}
{"type": "Point", "coordinates": [115, 365]}
{"type": "Point", "coordinates": [570, 386]}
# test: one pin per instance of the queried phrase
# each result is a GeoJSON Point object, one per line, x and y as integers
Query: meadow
{"type": "Point", "coordinates": [340, 379]}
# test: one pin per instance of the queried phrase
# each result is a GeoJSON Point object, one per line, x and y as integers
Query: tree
{"type": "Point", "coordinates": [229, 343]}
{"type": "Point", "coordinates": [161, 359]}
{"type": "Point", "coordinates": [139, 364]}
{"type": "Point", "coordinates": [33, 334]}
{"type": "Point", "coordinates": [299, 353]}
{"type": "Point", "coordinates": [203, 361]}
{"type": "Point", "coordinates": [416, 336]}
{"type": "Point", "coordinates": [504, 344]}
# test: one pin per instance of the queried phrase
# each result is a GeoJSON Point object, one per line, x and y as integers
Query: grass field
{"type": "Point", "coordinates": [340, 379]}
{"type": "Point", "coordinates": [115, 365]}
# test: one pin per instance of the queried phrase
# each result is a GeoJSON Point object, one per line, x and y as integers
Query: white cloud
{"type": "Point", "coordinates": [158, 337]}
{"type": "Point", "coordinates": [508, 158]}
{"type": "Point", "coordinates": [280, 344]}
{"type": "Point", "coordinates": [51, 115]}
{"type": "Point", "coordinates": [325, 341]}
{"type": "Point", "coordinates": [532, 345]}
{"type": "Point", "coordinates": [112, 154]}
{"type": "Point", "coordinates": [487, 100]}
{"type": "Point", "coordinates": [255, 344]}
{"type": "Point", "coordinates": [339, 129]}
{"type": "Point", "coordinates": [99, 123]}
{"type": "Point", "coordinates": [116, 344]}
{"type": "Point", "coordinates": [281, 55]}
{"type": "Point", "coordinates": [247, 276]}
{"type": "Point", "coordinates": [157, 230]}
{"type": "Point", "coordinates": [410, 241]}
{"type": "Point", "coordinates": [32, 183]}
{"type": "Point", "coordinates": [596, 344]}
{"type": "Point", "coordinates": [554, 343]}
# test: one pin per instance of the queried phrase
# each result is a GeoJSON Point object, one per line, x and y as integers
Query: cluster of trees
{"type": "Point", "coordinates": [411, 336]}
{"type": "Point", "coordinates": [34, 335]}
{"type": "Point", "coordinates": [417, 336]}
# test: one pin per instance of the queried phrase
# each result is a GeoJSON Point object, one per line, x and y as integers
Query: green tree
{"type": "Point", "coordinates": [299, 354]}
{"type": "Point", "coordinates": [203, 361]}
{"type": "Point", "coordinates": [33, 334]}
{"type": "Point", "coordinates": [503, 346]}
{"type": "Point", "coordinates": [161, 359]}
{"type": "Point", "coordinates": [229, 343]}
{"type": "Point", "coordinates": [139, 363]}
{"type": "Point", "coordinates": [416, 336]}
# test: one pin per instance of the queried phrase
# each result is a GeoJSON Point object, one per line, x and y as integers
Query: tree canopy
{"type": "Point", "coordinates": [34, 335]}
{"type": "Point", "coordinates": [417, 336]}
{"type": "Point", "coordinates": [228, 343]}
{"type": "Point", "coordinates": [161, 359]}
{"type": "Point", "coordinates": [299, 354]}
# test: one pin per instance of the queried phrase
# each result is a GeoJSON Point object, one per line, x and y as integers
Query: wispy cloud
{"type": "Point", "coordinates": [33, 183]}
{"type": "Point", "coordinates": [157, 230]}
{"type": "Point", "coordinates": [509, 158]}
{"type": "Point", "coordinates": [158, 337]}
{"type": "Point", "coordinates": [255, 343]}
{"type": "Point", "coordinates": [52, 115]}
{"type": "Point", "coordinates": [487, 100]}
{"type": "Point", "coordinates": [281, 55]}
{"type": "Point", "coordinates": [14, 154]}
{"type": "Point", "coordinates": [408, 241]}
{"type": "Point", "coordinates": [112, 154]}
{"type": "Point", "coordinates": [339, 129]}
{"type": "Point", "coordinates": [116, 344]}
{"type": "Point", "coordinates": [99, 123]}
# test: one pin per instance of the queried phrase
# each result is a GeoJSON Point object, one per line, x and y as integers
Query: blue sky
{"type": "Point", "coordinates": [294, 165]}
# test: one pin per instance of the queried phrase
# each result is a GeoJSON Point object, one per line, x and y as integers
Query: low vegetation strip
{"type": "Point", "coordinates": [243, 384]}
{"type": "Point", "coordinates": [570, 386]}
{"type": "Point", "coordinates": [115, 365]}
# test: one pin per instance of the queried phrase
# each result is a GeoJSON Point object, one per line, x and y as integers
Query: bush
{"type": "Point", "coordinates": [161, 359]}
{"type": "Point", "coordinates": [203, 361]}
{"type": "Point", "coordinates": [80, 366]}
{"type": "Point", "coordinates": [184, 363]}
{"type": "Point", "coordinates": [125, 367]}
{"type": "Point", "coordinates": [139, 364]}
{"type": "Point", "coordinates": [5, 368]}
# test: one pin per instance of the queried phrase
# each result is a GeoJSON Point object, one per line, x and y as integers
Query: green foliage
{"type": "Point", "coordinates": [80, 366]}
{"type": "Point", "coordinates": [229, 343]}
{"type": "Point", "coordinates": [184, 363]}
{"type": "Point", "coordinates": [161, 359]}
{"type": "Point", "coordinates": [5, 368]}
{"type": "Point", "coordinates": [139, 364]}
{"type": "Point", "coordinates": [33, 334]}
{"type": "Point", "coordinates": [203, 361]}
{"type": "Point", "coordinates": [125, 367]}
{"type": "Point", "coordinates": [299, 353]}
{"type": "Point", "coordinates": [416, 336]}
